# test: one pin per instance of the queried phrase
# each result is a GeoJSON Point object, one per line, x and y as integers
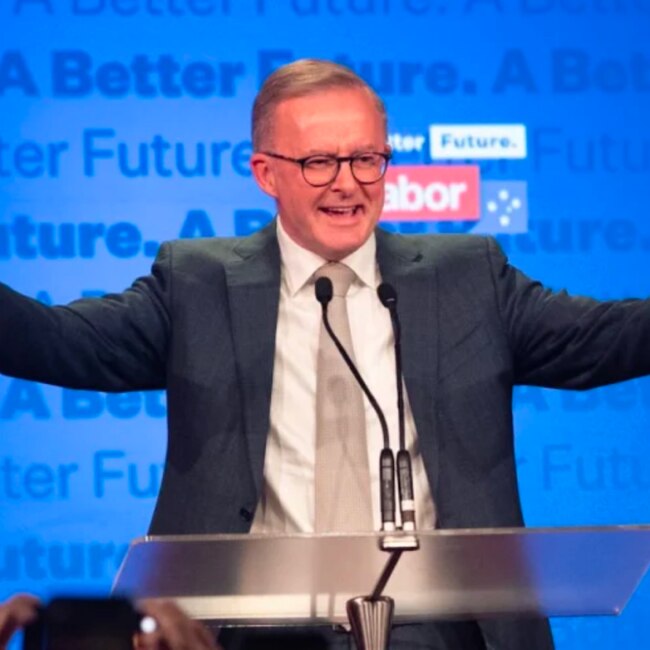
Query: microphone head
{"type": "Point", "coordinates": [324, 290]}
{"type": "Point", "coordinates": [387, 295]}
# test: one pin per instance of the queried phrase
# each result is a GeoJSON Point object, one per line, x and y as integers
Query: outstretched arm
{"type": "Point", "coordinates": [563, 341]}
{"type": "Point", "coordinates": [114, 343]}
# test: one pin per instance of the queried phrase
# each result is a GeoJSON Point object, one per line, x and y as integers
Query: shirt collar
{"type": "Point", "coordinates": [299, 264]}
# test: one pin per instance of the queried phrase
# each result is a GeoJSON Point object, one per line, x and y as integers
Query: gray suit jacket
{"type": "Point", "coordinates": [202, 325]}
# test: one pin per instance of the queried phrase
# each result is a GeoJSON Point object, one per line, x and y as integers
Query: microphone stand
{"type": "Point", "coordinates": [371, 617]}
{"type": "Point", "coordinates": [388, 298]}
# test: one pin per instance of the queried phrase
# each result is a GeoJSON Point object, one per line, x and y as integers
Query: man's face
{"type": "Point", "coordinates": [334, 220]}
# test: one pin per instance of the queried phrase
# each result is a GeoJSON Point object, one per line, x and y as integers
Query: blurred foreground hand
{"type": "Point", "coordinates": [15, 613]}
{"type": "Point", "coordinates": [175, 630]}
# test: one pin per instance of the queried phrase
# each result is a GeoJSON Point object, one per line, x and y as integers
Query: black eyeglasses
{"type": "Point", "coordinates": [321, 170]}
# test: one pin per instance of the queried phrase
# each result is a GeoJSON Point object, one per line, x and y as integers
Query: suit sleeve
{"type": "Point", "coordinates": [562, 341]}
{"type": "Point", "coordinates": [115, 343]}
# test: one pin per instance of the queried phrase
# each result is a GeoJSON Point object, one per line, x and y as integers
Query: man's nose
{"type": "Point", "coordinates": [345, 180]}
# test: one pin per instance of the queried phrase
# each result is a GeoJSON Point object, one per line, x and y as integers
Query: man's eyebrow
{"type": "Point", "coordinates": [363, 149]}
{"type": "Point", "coordinates": [318, 152]}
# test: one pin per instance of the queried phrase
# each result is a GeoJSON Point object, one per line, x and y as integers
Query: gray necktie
{"type": "Point", "coordinates": [342, 477]}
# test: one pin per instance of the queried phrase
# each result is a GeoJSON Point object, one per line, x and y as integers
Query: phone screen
{"type": "Point", "coordinates": [83, 624]}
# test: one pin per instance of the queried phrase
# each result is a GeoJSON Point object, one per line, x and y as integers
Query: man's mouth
{"type": "Point", "coordinates": [342, 211]}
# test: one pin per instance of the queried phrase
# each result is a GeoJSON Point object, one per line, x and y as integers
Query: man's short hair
{"type": "Point", "coordinates": [299, 79]}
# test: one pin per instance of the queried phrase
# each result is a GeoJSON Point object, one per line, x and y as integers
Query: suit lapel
{"type": "Point", "coordinates": [400, 263]}
{"type": "Point", "coordinates": [254, 292]}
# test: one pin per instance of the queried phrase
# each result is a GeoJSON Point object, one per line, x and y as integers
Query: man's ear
{"type": "Point", "coordinates": [263, 173]}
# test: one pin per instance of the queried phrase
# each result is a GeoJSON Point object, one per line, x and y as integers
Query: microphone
{"type": "Point", "coordinates": [324, 292]}
{"type": "Point", "coordinates": [388, 297]}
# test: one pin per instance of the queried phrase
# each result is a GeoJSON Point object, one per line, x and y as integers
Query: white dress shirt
{"type": "Point", "coordinates": [287, 500]}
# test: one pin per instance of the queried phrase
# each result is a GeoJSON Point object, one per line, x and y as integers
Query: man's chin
{"type": "Point", "coordinates": [337, 248]}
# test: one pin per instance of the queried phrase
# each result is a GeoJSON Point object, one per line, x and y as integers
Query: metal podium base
{"type": "Point", "coordinates": [371, 621]}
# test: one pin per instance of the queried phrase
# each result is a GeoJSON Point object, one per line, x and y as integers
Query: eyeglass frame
{"type": "Point", "coordinates": [387, 156]}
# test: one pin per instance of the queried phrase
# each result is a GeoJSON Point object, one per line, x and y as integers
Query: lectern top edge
{"type": "Point", "coordinates": [448, 532]}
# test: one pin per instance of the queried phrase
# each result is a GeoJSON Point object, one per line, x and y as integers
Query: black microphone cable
{"type": "Point", "coordinates": [388, 297]}
{"type": "Point", "coordinates": [324, 292]}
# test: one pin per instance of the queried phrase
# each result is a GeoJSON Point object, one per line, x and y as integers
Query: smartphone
{"type": "Point", "coordinates": [83, 624]}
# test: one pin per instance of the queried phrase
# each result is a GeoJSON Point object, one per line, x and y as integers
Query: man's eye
{"type": "Point", "coordinates": [367, 160]}
{"type": "Point", "coordinates": [320, 162]}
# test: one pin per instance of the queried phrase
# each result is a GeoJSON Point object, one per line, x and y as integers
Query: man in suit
{"type": "Point", "coordinates": [230, 328]}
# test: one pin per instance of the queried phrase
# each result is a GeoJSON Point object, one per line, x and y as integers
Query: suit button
{"type": "Point", "coordinates": [245, 514]}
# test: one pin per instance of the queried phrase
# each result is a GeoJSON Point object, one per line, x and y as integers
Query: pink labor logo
{"type": "Point", "coordinates": [432, 193]}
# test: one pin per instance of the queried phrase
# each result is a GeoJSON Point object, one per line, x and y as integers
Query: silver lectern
{"type": "Point", "coordinates": [244, 580]}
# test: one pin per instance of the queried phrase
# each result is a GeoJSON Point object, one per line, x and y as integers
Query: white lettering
{"type": "Point", "coordinates": [408, 196]}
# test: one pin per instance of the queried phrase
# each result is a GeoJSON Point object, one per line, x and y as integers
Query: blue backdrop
{"type": "Point", "coordinates": [126, 122]}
